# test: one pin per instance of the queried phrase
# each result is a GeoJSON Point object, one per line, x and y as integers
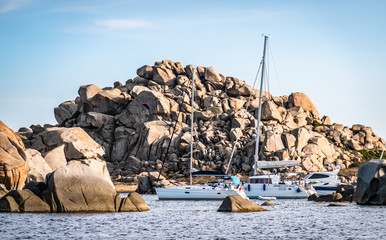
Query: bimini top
{"type": "Point", "coordinates": [209, 173]}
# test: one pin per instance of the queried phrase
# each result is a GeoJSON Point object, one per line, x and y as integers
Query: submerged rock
{"type": "Point", "coordinates": [336, 205]}
{"type": "Point", "coordinates": [333, 197]}
{"type": "Point", "coordinates": [239, 204]}
{"type": "Point", "coordinates": [268, 204]}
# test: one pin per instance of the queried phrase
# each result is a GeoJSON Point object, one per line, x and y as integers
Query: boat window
{"type": "Point", "coordinates": [261, 180]}
{"type": "Point", "coordinates": [318, 175]}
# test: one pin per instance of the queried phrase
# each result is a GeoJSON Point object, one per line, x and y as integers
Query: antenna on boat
{"type": "Point", "coordinates": [259, 110]}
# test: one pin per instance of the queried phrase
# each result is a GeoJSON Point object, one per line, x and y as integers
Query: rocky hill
{"type": "Point", "coordinates": [134, 122]}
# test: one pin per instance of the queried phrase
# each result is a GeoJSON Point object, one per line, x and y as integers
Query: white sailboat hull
{"type": "Point", "coordinates": [255, 190]}
{"type": "Point", "coordinates": [202, 192]}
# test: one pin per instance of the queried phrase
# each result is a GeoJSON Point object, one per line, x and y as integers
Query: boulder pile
{"type": "Point", "coordinates": [63, 172]}
{"type": "Point", "coordinates": [134, 122]}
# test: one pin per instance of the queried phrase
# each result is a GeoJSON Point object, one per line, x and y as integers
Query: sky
{"type": "Point", "coordinates": [334, 50]}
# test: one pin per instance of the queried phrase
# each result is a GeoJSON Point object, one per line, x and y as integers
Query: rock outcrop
{"type": "Point", "coordinates": [371, 188]}
{"type": "Point", "coordinates": [13, 168]}
{"type": "Point", "coordinates": [77, 188]}
{"type": "Point", "coordinates": [74, 178]}
{"type": "Point", "coordinates": [239, 204]}
{"type": "Point", "coordinates": [73, 188]}
{"type": "Point", "coordinates": [134, 121]}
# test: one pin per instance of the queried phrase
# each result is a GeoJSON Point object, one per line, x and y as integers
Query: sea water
{"type": "Point", "coordinates": [289, 219]}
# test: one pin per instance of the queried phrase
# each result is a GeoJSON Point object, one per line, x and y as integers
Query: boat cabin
{"type": "Point", "coordinates": [265, 179]}
{"type": "Point", "coordinates": [322, 176]}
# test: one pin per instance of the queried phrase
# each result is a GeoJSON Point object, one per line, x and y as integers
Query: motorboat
{"type": "Point", "coordinates": [323, 182]}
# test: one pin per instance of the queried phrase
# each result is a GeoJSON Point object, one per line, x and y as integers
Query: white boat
{"type": "Point", "coordinates": [270, 185]}
{"type": "Point", "coordinates": [323, 182]}
{"type": "Point", "coordinates": [218, 191]}
{"type": "Point", "coordinates": [227, 186]}
{"type": "Point", "coordinates": [263, 186]}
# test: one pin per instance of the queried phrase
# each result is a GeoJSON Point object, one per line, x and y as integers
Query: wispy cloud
{"type": "Point", "coordinates": [122, 23]}
{"type": "Point", "coordinates": [11, 5]}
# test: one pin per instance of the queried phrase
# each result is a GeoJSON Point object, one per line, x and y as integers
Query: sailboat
{"type": "Point", "coordinates": [227, 186]}
{"type": "Point", "coordinates": [262, 186]}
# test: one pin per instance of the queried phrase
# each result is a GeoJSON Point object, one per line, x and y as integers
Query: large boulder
{"type": "Point", "coordinates": [56, 157]}
{"type": "Point", "coordinates": [38, 167]}
{"type": "Point", "coordinates": [11, 134]}
{"type": "Point", "coordinates": [145, 185]}
{"type": "Point", "coordinates": [164, 76]}
{"type": "Point", "coordinates": [298, 99]}
{"type": "Point", "coordinates": [133, 203]}
{"type": "Point", "coordinates": [347, 191]}
{"type": "Point", "coordinates": [78, 188]}
{"type": "Point", "coordinates": [23, 201]}
{"type": "Point", "coordinates": [269, 111]}
{"type": "Point", "coordinates": [86, 92]}
{"type": "Point", "coordinates": [13, 168]}
{"type": "Point", "coordinates": [239, 204]}
{"type": "Point", "coordinates": [145, 71]}
{"type": "Point", "coordinates": [211, 74]}
{"type": "Point", "coordinates": [371, 185]}
{"type": "Point", "coordinates": [333, 197]}
{"type": "Point", "coordinates": [78, 144]}
{"type": "Point", "coordinates": [65, 111]}
{"type": "Point", "coordinates": [109, 101]}
{"type": "Point", "coordinates": [99, 166]}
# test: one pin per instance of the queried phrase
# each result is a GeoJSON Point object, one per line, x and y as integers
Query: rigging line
{"type": "Point", "coordinates": [242, 122]}
{"type": "Point", "coordinates": [174, 129]}
{"type": "Point", "coordinates": [277, 73]}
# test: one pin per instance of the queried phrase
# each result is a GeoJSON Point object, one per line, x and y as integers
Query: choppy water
{"type": "Point", "coordinates": [289, 219]}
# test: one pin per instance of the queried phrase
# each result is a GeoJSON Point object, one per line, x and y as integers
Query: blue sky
{"type": "Point", "coordinates": [334, 51]}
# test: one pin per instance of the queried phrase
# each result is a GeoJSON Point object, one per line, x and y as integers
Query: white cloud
{"type": "Point", "coordinates": [122, 23]}
{"type": "Point", "coordinates": [11, 5]}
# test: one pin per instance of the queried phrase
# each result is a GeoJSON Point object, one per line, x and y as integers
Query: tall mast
{"type": "Point", "coordinates": [259, 110]}
{"type": "Point", "coordinates": [191, 129]}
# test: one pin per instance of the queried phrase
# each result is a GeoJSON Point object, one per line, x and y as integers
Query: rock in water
{"type": "Point", "coordinates": [336, 205]}
{"type": "Point", "coordinates": [371, 187]}
{"type": "Point", "coordinates": [313, 197]}
{"type": "Point", "coordinates": [145, 185]}
{"type": "Point", "coordinates": [333, 197]}
{"type": "Point", "coordinates": [268, 204]}
{"type": "Point", "coordinates": [77, 188]}
{"type": "Point", "coordinates": [23, 201]}
{"type": "Point", "coordinates": [133, 203]}
{"type": "Point", "coordinates": [239, 204]}
{"type": "Point", "coordinates": [347, 192]}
